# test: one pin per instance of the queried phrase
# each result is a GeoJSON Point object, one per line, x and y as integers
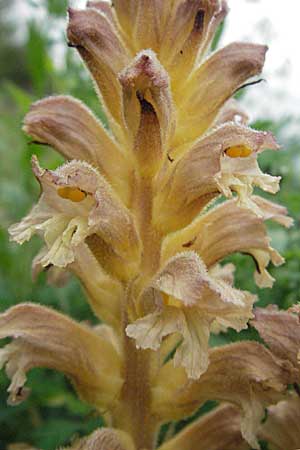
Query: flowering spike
{"type": "Point", "coordinates": [130, 215]}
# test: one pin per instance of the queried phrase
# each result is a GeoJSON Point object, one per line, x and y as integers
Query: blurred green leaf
{"type": "Point", "coordinates": [38, 63]}
{"type": "Point", "coordinates": [19, 96]}
{"type": "Point", "coordinates": [218, 35]}
{"type": "Point", "coordinates": [57, 7]}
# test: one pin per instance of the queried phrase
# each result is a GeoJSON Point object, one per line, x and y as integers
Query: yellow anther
{"type": "Point", "coordinates": [238, 151]}
{"type": "Point", "coordinates": [171, 301]}
{"type": "Point", "coordinates": [71, 193]}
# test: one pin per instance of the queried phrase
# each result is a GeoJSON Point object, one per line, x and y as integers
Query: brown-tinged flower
{"type": "Point", "coordinates": [146, 85]}
{"type": "Point", "coordinates": [211, 84]}
{"type": "Point", "coordinates": [227, 229]}
{"type": "Point", "coordinates": [45, 338]}
{"type": "Point", "coordinates": [222, 162]}
{"type": "Point", "coordinates": [281, 331]}
{"type": "Point", "coordinates": [104, 52]}
{"type": "Point", "coordinates": [186, 299]}
{"type": "Point", "coordinates": [77, 202]}
{"type": "Point", "coordinates": [72, 129]}
{"type": "Point", "coordinates": [245, 374]}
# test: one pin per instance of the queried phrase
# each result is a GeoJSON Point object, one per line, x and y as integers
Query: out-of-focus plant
{"type": "Point", "coordinates": [70, 79]}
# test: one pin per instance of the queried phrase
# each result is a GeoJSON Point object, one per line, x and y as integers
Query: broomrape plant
{"type": "Point", "coordinates": [131, 213]}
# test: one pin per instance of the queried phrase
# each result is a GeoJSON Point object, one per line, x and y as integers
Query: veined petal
{"type": "Point", "coordinates": [281, 429]}
{"type": "Point", "coordinates": [45, 338]}
{"type": "Point", "coordinates": [240, 176]}
{"type": "Point", "coordinates": [218, 10]}
{"type": "Point", "coordinates": [179, 26]}
{"type": "Point", "coordinates": [280, 330]}
{"type": "Point", "coordinates": [104, 7]}
{"type": "Point", "coordinates": [146, 79]}
{"type": "Point", "coordinates": [100, 46]}
{"type": "Point", "coordinates": [192, 354]}
{"type": "Point", "coordinates": [147, 17]}
{"type": "Point", "coordinates": [226, 273]}
{"type": "Point", "coordinates": [210, 167]}
{"type": "Point", "coordinates": [104, 439]}
{"type": "Point", "coordinates": [217, 430]}
{"type": "Point", "coordinates": [151, 329]}
{"type": "Point", "coordinates": [273, 211]}
{"type": "Point", "coordinates": [227, 229]}
{"type": "Point", "coordinates": [71, 128]}
{"type": "Point", "coordinates": [188, 300]}
{"type": "Point", "coordinates": [23, 231]}
{"type": "Point", "coordinates": [185, 278]}
{"type": "Point", "coordinates": [77, 202]}
{"type": "Point", "coordinates": [193, 351]}
{"type": "Point", "coordinates": [245, 374]}
{"type": "Point", "coordinates": [124, 11]}
{"type": "Point", "coordinates": [147, 24]}
{"type": "Point", "coordinates": [56, 276]}
{"type": "Point", "coordinates": [186, 30]}
{"type": "Point", "coordinates": [211, 85]}
{"type": "Point", "coordinates": [207, 15]}
{"type": "Point", "coordinates": [175, 30]}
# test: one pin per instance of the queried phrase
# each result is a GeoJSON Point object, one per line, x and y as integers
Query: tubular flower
{"type": "Point", "coordinates": [130, 214]}
{"type": "Point", "coordinates": [281, 332]}
{"type": "Point", "coordinates": [245, 374]}
{"type": "Point", "coordinates": [45, 338]}
{"type": "Point", "coordinates": [188, 300]}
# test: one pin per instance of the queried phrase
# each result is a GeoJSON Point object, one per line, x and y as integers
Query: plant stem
{"type": "Point", "coordinates": [135, 415]}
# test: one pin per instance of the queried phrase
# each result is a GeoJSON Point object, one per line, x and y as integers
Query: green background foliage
{"type": "Point", "coordinates": [53, 416]}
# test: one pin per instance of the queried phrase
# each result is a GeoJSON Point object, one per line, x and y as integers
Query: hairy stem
{"type": "Point", "coordinates": [135, 415]}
